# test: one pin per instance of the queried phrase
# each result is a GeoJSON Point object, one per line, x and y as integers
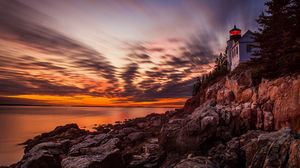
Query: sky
{"type": "Point", "coordinates": [113, 52]}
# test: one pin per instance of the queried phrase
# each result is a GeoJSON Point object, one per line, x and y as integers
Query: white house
{"type": "Point", "coordinates": [239, 48]}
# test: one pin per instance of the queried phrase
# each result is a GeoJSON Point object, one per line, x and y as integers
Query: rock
{"type": "Point", "coordinates": [230, 154]}
{"type": "Point", "coordinates": [294, 155]}
{"type": "Point", "coordinates": [168, 134]}
{"type": "Point", "coordinates": [269, 150]}
{"type": "Point", "coordinates": [156, 122]}
{"type": "Point", "coordinates": [89, 141]}
{"type": "Point", "coordinates": [150, 157]}
{"type": "Point", "coordinates": [258, 149]}
{"type": "Point", "coordinates": [45, 154]}
{"type": "Point", "coordinates": [249, 118]}
{"type": "Point", "coordinates": [268, 121]}
{"type": "Point", "coordinates": [285, 93]}
{"type": "Point", "coordinates": [268, 106]}
{"type": "Point", "coordinates": [136, 136]}
{"type": "Point", "coordinates": [259, 119]}
{"type": "Point", "coordinates": [69, 131]}
{"type": "Point", "coordinates": [247, 95]}
{"type": "Point", "coordinates": [141, 125]}
{"type": "Point", "coordinates": [216, 128]}
{"type": "Point", "coordinates": [225, 96]}
{"type": "Point", "coordinates": [196, 162]}
{"type": "Point", "coordinates": [109, 145]}
{"type": "Point", "coordinates": [97, 151]}
{"type": "Point", "coordinates": [200, 127]}
{"type": "Point", "coordinates": [109, 159]}
{"type": "Point", "coordinates": [127, 130]}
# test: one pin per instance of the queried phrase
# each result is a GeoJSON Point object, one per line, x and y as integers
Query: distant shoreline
{"type": "Point", "coordinates": [27, 105]}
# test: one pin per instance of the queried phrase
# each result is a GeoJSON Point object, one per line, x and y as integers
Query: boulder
{"type": "Point", "coordinates": [46, 155]}
{"type": "Point", "coordinates": [200, 127]}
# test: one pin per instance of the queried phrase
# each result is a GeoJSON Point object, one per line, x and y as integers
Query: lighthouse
{"type": "Point", "coordinates": [239, 47]}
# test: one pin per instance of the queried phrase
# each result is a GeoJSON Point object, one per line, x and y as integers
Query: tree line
{"type": "Point", "coordinates": [278, 37]}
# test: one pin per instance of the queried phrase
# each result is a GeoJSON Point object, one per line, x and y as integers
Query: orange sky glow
{"type": "Point", "coordinates": [119, 53]}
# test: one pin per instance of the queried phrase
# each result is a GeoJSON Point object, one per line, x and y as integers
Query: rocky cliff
{"type": "Point", "coordinates": [269, 105]}
{"type": "Point", "coordinates": [235, 122]}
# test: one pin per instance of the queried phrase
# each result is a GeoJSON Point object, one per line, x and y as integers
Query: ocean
{"type": "Point", "coordinates": [19, 123]}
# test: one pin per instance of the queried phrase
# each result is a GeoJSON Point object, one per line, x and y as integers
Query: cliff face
{"type": "Point", "coordinates": [234, 123]}
{"type": "Point", "coordinates": [271, 105]}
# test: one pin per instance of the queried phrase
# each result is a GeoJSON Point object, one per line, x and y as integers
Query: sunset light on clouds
{"type": "Point", "coordinates": [114, 52]}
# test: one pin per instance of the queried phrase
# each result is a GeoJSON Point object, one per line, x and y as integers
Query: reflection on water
{"type": "Point", "coordinates": [18, 124]}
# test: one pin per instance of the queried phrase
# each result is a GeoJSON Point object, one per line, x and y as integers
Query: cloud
{"type": "Point", "coordinates": [129, 75]}
{"type": "Point", "coordinates": [37, 59]}
{"type": "Point", "coordinates": [171, 77]}
{"type": "Point", "coordinates": [17, 28]}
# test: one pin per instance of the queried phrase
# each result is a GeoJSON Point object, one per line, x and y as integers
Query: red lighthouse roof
{"type": "Point", "coordinates": [235, 33]}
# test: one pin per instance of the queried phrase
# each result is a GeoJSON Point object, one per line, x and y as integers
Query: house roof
{"type": "Point", "coordinates": [247, 37]}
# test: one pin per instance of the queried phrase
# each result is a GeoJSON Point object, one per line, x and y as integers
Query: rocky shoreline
{"type": "Point", "coordinates": [232, 123]}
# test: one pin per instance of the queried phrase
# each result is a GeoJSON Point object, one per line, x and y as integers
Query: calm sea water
{"type": "Point", "coordinates": [19, 123]}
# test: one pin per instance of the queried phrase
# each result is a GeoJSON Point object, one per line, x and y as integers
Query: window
{"type": "Point", "coordinates": [249, 48]}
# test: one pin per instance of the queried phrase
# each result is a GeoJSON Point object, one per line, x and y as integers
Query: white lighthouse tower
{"type": "Point", "coordinates": [239, 48]}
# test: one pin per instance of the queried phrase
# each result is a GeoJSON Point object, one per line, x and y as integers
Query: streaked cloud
{"type": "Point", "coordinates": [112, 52]}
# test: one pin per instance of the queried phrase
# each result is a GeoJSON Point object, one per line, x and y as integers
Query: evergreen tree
{"type": "Point", "coordinates": [278, 35]}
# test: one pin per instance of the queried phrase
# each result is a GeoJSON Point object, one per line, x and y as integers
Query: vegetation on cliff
{"type": "Point", "coordinates": [279, 38]}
